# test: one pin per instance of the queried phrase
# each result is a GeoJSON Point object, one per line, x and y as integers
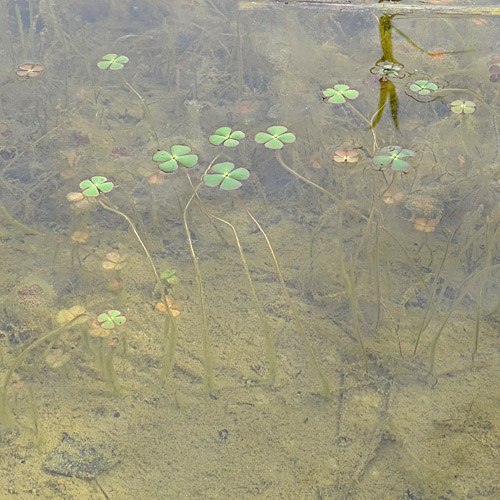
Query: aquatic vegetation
{"type": "Point", "coordinates": [5, 412]}
{"type": "Point", "coordinates": [169, 162]}
{"type": "Point", "coordinates": [388, 69]}
{"type": "Point", "coordinates": [425, 225]}
{"type": "Point", "coordinates": [226, 137]}
{"type": "Point", "coordinates": [226, 176]}
{"type": "Point", "coordinates": [96, 185]}
{"type": "Point", "coordinates": [169, 276]}
{"type": "Point", "coordinates": [100, 185]}
{"type": "Point", "coordinates": [346, 156]}
{"type": "Point", "coordinates": [30, 70]}
{"type": "Point", "coordinates": [494, 68]}
{"type": "Point", "coordinates": [79, 200]}
{"type": "Point", "coordinates": [297, 317]}
{"type": "Point", "coordinates": [392, 197]}
{"type": "Point", "coordinates": [275, 137]}
{"type": "Point", "coordinates": [67, 315]}
{"type": "Point", "coordinates": [79, 236]}
{"type": "Point", "coordinates": [111, 319]}
{"type": "Point", "coordinates": [339, 93]}
{"type": "Point", "coordinates": [459, 106]}
{"type": "Point", "coordinates": [423, 87]}
{"type": "Point", "coordinates": [100, 329]}
{"type": "Point", "coordinates": [174, 307]}
{"type": "Point", "coordinates": [392, 156]}
{"type": "Point", "coordinates": [112, 62]}
{"type": "Point", "coordinates": [114, 261]}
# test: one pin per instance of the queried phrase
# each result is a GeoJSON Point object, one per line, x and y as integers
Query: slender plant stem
{"type": "Point", "coordinates": [145, 107]}
{"type": "Point", "coordinates": [170, 328]}
{"type": "Point", "coordinates": [354, 211]}
{"type": "Point", "coordinates": [20, 358]}
{"type": "Point", "coordinates": [431, 301]}
{"type": "Point", "coordinates": [16, 223]}
{"type": "Point", "coordinates": [325, 386]}
{"type": "Point", "coordinates": [269, 338]}
{"type": "Point", "coordinates": [349, 278]}
{"type": "Point", "coordinates": [459, 299]}
{"type": "Point", "coordinates": [208, 378]}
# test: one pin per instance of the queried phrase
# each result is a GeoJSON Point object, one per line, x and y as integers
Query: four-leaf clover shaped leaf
{"type": "Point", "coordinates": [393, 156]}
{"type": "Point", "coordinates": [108, 320]}
{"type": "Point", "coordinates": [423, 87]}
{"type": "Point", "coordinates": [169, 162]}
{"type": "Point", "coordinates": [388, 70]}
{"type": "Point", "coordinates": [95, 185]}
{"type": "Point", "coordinates": [225, 137]}
{"type": "Point", "coordinates": [225, 176]}
{"type": "Point", "coordinates": [112, 62]}
{"type": "Point", "coordinates": [276, 137]}
{"type": "Point", "coordinates": [339, 93]}
{"type": "Point", "coordinates": [460, 106]}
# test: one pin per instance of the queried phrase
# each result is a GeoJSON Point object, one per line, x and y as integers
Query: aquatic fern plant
{"type": "Point", "coordinates": [393, 157]}
{"type": "Point", "coordinates": [226, 137]}
{"type": "Point", "coordinates": [339, 93]}
{"type": "Point", "coordinates": [275, 137]}
{"type": "Point", "coordinates": [226, 176]}
{"type": "Point", "coordinates": [168, 162]}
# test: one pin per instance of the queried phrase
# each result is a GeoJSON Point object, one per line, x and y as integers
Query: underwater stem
{"type": "Point", "coordinates": [208, 378]}
{"type": "Point", "coordinates": [279, 157]}
{"type": "Point", "coordinates": [145, 107]}
{"type": "Point", "coordinates": [325, 386]}
{"type": "Point", "coordinates": [173, 334]}
{"type": "Point", "coordinates": [270, 349]}
{"type": "Point", "coordinates": [20, 358]}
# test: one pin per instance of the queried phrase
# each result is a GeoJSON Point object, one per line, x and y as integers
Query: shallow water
{"type": "Point", "coordinates": [382, 337]}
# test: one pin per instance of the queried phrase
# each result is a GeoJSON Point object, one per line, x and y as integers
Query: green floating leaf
{"type": "Point", "coordinates": [97, 184]}
{"type": "Point", "coordinates": [223, 135]}
{"type": "Point", "coordinates": [112, 62]}
{"type": "Point", "coordinates": [169, 162]}
{"type": "Point", "coordinates": [423, 87]}
{"type": "Point", "coordinates": [276, 138]}
{"type": "Point", "coordinates": [108, 320]}
{"type": "Point", "coordinates": [226, 177]}
{"type": "Point", "coordinates": [458, 106]}
{"type": "Point", "coordinates": [392, 156]}
{"type": "Point", "coordinates": [339, 93]}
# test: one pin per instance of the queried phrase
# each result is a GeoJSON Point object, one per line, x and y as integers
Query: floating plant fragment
{"type": "Point", "coordinates": [346, 156]}
{"type": "Point", "coordinates": [112, 62]}
{"type": "Point", "coordinates": [423, 87]}
{"type": "Point", "coordinates": [425, 225]}
{"type": "Point", "coordinates": [465, 107]}
{"type": "Point", "coordinates": [224, 136]}
{"type": "Point", "coordinates": [339, 94]}
{"type": "Point", "coordinates": [79, 236]}
{"type": "Point", "coordinates": [108, 320]}
{"type": "Point", "coordinates": [67, 315]}
{"type": "Point", "coordinates": [169, 162]}
{"type": "Point", "coordinates": [388, 70]}
{"type": "Point", "coordinates": [95, 185]}
{"type": "Point", "coordinates": [113, 261]}
{"type": "Point", "coordinates": [422, 90]}
{"type": "Point", "coordinates": [226, 177]}
{"type": "Point", "coordinates": [276, 137]}
{"type": "Point", "coordinates": [30, 70]}
{"type": "Point", "coordinates": [173, 307]}
{"type": "Point", "coordinates": [392, 156]}
{"type": "Point", "coordinates": [78, 200]}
